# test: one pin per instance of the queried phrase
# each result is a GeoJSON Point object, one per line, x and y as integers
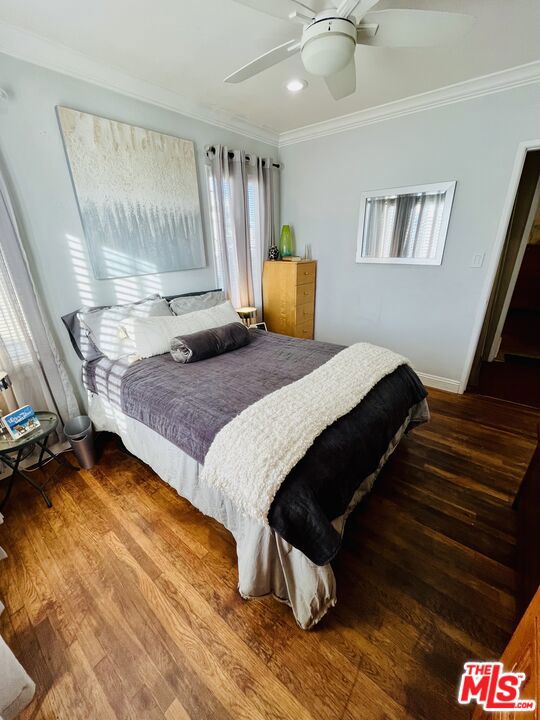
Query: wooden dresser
{"type": "Point", "coordinates": [289, 297]}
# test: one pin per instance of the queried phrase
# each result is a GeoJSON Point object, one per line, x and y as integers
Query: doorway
{"type": "Point", "coordinates": [507, 361]}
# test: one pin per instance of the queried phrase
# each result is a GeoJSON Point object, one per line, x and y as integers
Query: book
{"type": "Point", "coordinates": [21, 422]}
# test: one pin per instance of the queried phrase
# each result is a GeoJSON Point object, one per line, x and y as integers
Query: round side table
{"type": "Point", "coordinates": [12, 452]}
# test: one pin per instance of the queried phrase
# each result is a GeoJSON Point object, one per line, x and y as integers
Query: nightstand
{"type": "Point", "coordinates": [13, 452]}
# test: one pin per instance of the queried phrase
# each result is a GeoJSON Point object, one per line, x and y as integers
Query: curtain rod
{"type": "Point", "coordinates": [212, 149]}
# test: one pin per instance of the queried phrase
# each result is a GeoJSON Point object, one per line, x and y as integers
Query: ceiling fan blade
{"type": "Point", "coordinates": [358, 7]}
{"type": "Point", "coordinates": [263, 62]}
{"type": "Point", "coordinates": [413, 28]}
{"type": "Point", "coordinates": [342, 83]}
{"type": "Point", "coordinates": [278, 8]}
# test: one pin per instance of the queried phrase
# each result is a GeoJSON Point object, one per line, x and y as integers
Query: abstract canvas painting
{"type": "Point", "coordinates": [138, 196]}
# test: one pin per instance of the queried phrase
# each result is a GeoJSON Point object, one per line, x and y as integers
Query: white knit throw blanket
{"type": "Point", "coordinates": [253, 454]}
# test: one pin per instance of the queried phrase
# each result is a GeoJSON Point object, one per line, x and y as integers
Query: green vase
{"type": "Point", "coordinates": [286, 241]}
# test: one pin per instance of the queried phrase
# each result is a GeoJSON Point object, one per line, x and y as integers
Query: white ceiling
{"type": "Point", "coordinates": [189, 46]}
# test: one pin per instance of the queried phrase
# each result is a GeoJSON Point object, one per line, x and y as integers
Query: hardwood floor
{"type": "Point", "coordinates": [122, 603]}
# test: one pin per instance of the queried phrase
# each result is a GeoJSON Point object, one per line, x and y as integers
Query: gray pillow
{"type": "Point", "coordinates": [186, 304]}
{"type": "Point", "coordinates": [205, 344]}
{"type": "Point", "coordinates": [100, 326]}
{"type": "Point", "coordinates": [83, 346]}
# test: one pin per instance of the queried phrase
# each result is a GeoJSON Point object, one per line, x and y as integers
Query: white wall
{"type": "Point", "coordinates": [32, 153]}
{"type": "Point", "coordinates": [425, 312]}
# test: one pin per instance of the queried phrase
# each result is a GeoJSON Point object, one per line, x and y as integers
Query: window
{"type": "Point", "coordinates": [228, 220]}
{"type": "Point", "coordinates": [405, 225]}
{"type": "Point", "coordinates": [15, 342]}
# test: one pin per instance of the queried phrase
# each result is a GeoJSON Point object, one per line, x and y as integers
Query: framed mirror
{"type": "Point", "coordinates": [405, 225]}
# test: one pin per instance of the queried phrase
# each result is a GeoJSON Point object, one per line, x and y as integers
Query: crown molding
{"type": "Point", "coordinates": [40, 51]}
{"type": "Point", "coordinates": [458, 92]}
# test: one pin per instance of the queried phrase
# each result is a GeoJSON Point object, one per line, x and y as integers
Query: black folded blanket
{"type": "Point", "coordinates": [209, 343]}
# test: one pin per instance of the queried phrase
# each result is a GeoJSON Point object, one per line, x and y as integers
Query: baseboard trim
{"type": "Point", "coordinates": [440, 383]}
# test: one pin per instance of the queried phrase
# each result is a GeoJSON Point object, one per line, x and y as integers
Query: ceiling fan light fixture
{"type": "Point", "coordinates": [295, 85]}
{"type": "Point", "coordinates": [329, 37]}
{"type": "Point", "coordinates": [328, 46]}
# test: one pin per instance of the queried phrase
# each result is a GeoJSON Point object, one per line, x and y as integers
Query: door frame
{"type": "Point", "coordinates": [506, 215]}
{"type": "Point", "coordinates": [515, 273]}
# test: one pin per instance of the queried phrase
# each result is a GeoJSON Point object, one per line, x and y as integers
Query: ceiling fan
{"type": "Point", "coordinates": [329, 38]}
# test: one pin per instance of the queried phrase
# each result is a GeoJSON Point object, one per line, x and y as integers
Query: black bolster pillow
{"type": "Point", "coordinates": [209, 343]}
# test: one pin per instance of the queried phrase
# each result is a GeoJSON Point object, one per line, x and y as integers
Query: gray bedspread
{"type": "Point", "coordinates": [189, 403]}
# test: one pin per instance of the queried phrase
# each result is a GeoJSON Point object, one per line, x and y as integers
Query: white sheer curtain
{"type": "Point", "coordinates": [27, 351]}
{"type": "Point", "coordinates": [243, 192]}
{"type": "Point", "coordinates": [17, 353]}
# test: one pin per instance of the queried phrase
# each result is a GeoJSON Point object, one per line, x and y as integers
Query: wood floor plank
{"type": "Point", "coordinates": [112, 686]}
{"type": "Point", "coordinates": [208, 631]}
{"type": "Point", "coordinates": [176, 712]}
{"type": "Point", "coordinates": [486, 600]}
{"type": "Point", "coordinates": [86, 677]}
{"type": "Point", "coordinates": [121, 600]}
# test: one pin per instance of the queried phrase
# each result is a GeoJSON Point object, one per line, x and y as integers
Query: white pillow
{"type": "Point", "coordinates": [152, 336]}
{"type": "Point", "coordinates": [102, 326]}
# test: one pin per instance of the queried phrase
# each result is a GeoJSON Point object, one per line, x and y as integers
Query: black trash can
{"type": "Point", "coordinates": [80, 434]}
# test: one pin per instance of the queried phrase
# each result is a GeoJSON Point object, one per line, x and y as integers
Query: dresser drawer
{"type": "Point", "coordinates": [304, 313]}
{"type": "Point", "coordinates": [304, 330]}
{"type": "Point", "coordinates": [305, 273]}
{"type": "Point", "coordinates": [305, 294]}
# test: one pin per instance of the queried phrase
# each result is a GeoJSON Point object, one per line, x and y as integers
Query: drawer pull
{"type": "Point", "coordinates": [306, 272]}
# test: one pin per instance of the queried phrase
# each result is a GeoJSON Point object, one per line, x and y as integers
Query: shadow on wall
{"type": "Point", "coordinates": [126, 289]}
{"type": "Point", "coordinates": [105, 326]}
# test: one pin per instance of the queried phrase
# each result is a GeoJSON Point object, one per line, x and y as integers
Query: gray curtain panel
{"type": "Point", "coordinates": [27, 350]}
{"type": "Point", "coordinates": [268, 191]}
{"type": "Point", "coordinates": [243, 191]}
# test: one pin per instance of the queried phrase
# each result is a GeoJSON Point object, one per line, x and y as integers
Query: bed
{"type": "Point", "coordinates": [169, 416]}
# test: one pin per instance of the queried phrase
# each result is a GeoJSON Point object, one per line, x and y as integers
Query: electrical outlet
{"type": "Point", "coordinates": [477, 260]}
